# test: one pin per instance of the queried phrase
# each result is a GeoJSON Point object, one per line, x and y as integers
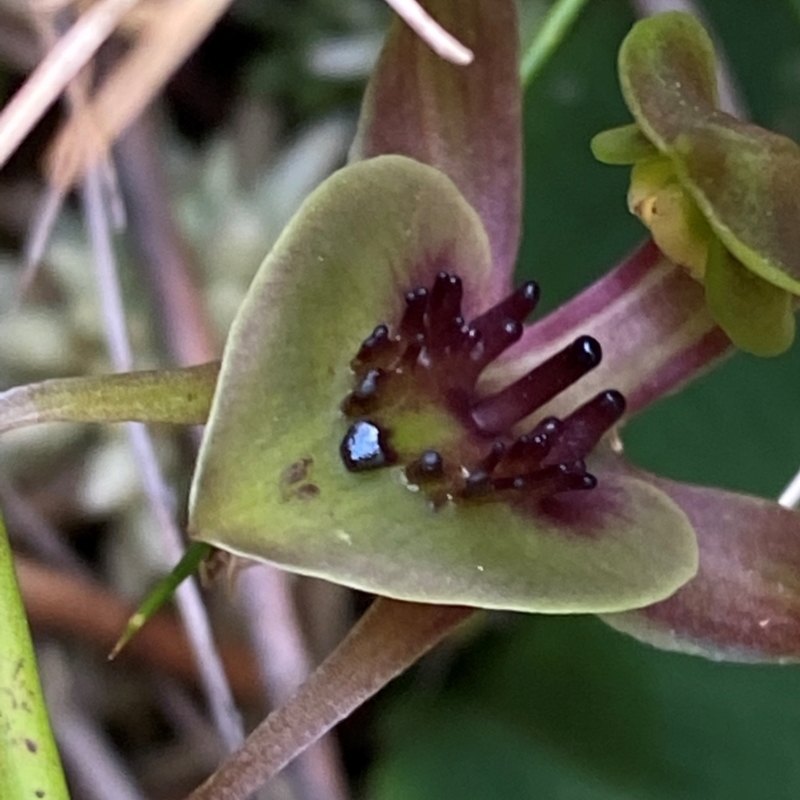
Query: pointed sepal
{"type": "Point", "coordinates": [179, 396]}
{"type": "Point", "coordinates": [162, 593]}
{"type": "Point", "coordinates": [463, 120]}
{"type": "Point", "coordinates": [744, 603]}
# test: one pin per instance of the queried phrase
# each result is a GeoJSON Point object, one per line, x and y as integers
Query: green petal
{"type": "Point", "coordinates": [746, 181]}
{"type": "Point", "coordinates": [756, 315]}
{"type": "Point", "coordinates": [667, 73]}
{"type": "Point", "coordinates": [463, 120]}
{"type": "Point", "coordinates": [179, 396]}
{"type": "Point", "coordinates": [270, 483]}
{"type": "Point", "coordinates": [624, 145]}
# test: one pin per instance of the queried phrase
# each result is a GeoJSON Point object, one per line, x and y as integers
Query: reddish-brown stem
{"type": "Point", "coordinates": [387, 640]}
{"type": "Point", "coordinates": [66, 605]}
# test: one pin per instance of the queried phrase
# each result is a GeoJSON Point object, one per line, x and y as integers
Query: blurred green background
{"type": "Point", "coordinates": [557, 708]}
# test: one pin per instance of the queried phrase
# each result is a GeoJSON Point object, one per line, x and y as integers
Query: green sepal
{"type": "Point", "coordinates": [179, 396]}
{"type": "Point", "coordinates": [270, 482]}
{"type": "Point", "coordinates": [746, 181]}
{"type": "Point", "coordinates": [757, 316]}
{"type": "Point", "coordinates": [667, 71]}
{"type": "Point", "coordinates": [624, 145]}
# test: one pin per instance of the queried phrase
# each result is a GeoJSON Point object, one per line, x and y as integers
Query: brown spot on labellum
{"type": "Point", "coordinates": [434, 360]}
{"type": "Point", "coordinates": [294, 482]}
{"type": "Point", "coordinates": [296, 472]}
{"type": "Point", "coordinates": [308, 491]}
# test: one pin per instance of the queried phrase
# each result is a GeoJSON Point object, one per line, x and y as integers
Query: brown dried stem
{"type": "Point", "coordinates": [67, 605]}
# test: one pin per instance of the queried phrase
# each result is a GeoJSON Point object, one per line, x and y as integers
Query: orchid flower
{"type": "Point", "coordinates": [384, 418]}
{"type": "Point", "coordinates": [718, 195]}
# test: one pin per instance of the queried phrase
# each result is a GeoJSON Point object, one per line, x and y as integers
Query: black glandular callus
{"type": "Point", "coordinates": [436, 357]}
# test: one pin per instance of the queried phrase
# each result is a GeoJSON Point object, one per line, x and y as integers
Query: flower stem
{"type": "Point", "coordinates": [387, 640]}
{"type": "Point", "coordinates": [557, 23]}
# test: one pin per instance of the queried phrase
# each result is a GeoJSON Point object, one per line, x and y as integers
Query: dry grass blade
{"type": "Point", "coordinates": [163, 44]}
{"type": "Point", "coordinates": [187, 597]}
{"type": "Point", "coordinates": [72, 606]}
{"type": "Point", "coordinates": [56, 70]}
{"type": "Point", "coordinates": [427, 28]}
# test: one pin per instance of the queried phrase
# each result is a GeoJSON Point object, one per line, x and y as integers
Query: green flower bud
{"type": "Point", "coordinates": [708, 185]}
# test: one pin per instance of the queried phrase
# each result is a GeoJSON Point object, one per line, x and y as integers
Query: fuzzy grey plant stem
{"type": "Point", "coordinates": [215, 684]}
{"type": "Point", "coordinates": [265, 593]}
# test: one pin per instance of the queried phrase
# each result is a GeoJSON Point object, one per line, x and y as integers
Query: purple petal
{"type": "Point", "coordinates": [744, 604]}
{"type": "Point", "coordinates": [652, 322]}
{"type": "Point", "coordinates": [463, 120]}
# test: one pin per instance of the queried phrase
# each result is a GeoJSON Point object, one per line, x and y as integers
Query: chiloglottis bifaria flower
{"type": "Point", "coordinates": [386, 417]}
{"type": "Point", "coordinates": [719, 195]}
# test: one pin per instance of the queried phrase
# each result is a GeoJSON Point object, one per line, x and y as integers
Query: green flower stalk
{"type": "Point", "coordinates": [719, 195]}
